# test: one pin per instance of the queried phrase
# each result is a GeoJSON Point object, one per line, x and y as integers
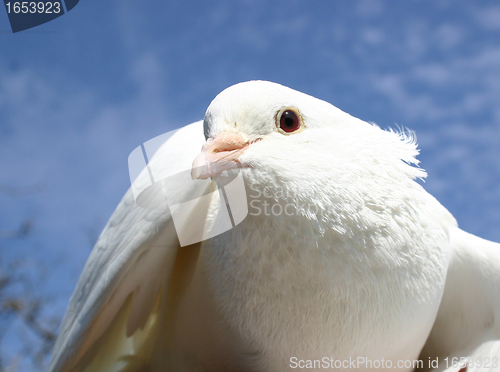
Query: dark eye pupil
{"type": "Point", "coordinates": [289, 121]}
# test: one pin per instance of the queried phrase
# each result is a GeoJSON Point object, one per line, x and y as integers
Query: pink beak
{"type": "Point", "coordinates": [218, 154]}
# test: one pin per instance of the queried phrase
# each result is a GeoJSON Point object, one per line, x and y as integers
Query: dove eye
{"type": "Point", "coordinates": [289, 120]}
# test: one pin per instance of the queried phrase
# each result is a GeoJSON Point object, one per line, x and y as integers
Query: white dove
{"type": "Point", "coordinates": [343, 262]}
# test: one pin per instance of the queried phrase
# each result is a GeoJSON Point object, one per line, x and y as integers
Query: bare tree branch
{"type": "Point", "coordinates": [22, 302]}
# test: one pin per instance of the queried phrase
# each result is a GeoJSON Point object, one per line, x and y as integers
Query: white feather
{"type": "Point", "coordinates": [355, 265]}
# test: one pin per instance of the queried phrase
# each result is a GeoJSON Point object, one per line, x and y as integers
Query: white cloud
{"type": "Point", "coordinates": [449, 36]}
{"type": "Point", "coordinates": [369, 8]}
{"type": "Point", "coordinates": [488, 17]}
{"type": "Point", "coordinates": [373, 36]}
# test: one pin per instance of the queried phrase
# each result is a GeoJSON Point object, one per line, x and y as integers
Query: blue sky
{"type": "Point", "coordinates": [78, 94]}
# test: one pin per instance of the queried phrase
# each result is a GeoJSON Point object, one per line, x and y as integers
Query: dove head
{"type": "Point", "coordinates": [277, 132]}
{"type": "Point", "coordinates": [255, 111]}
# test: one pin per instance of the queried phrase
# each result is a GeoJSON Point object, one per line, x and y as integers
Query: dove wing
{"type": "Point", "coordinates": [468, 320]}
{"type": "Point", "coordinates": [111, 316]}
